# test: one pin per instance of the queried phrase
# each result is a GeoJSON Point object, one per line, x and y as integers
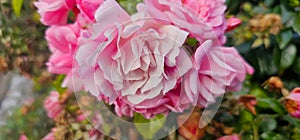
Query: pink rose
{"type": "Point", "coordinates": [54, 12]}
{"type": "Point", "coordinates": [23, 137]}
{"type": "Point", "coordinates": [136, 62]}
{"type": "Point", "coordinates": [52, 105]}
{"type": "Point", "coordinates": [201, 18]}
{"type": "Point", "coordinates": [95, 134]}
{"type": "Point", "coordinates": [293, 103]}
{"type": "Point", "coordinates": [230, 137]}
{"type": "Point", "coordinates": [63, 38]}
{"type": "Point", "coordinates": [217, 70]}
{"type": "Point", "coordinates": [63, 42]}
{"type": "Point", "coordinates": [88, 8]}
{"type": "Point", "coordinates": [50, 136]}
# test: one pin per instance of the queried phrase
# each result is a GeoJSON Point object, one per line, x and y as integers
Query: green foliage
{"type": "Point", "coordinates": [129, 5]}
{"type": "Point", "coordinates": [29, 120]}
{"type": "Point", "coordinates": [271, 104]}
{"type": "Point", "coordinates": [288, 56]}
{"type": "Point", "coordinates": [294, 121]}
{"type": "Point", "coordinates": [284, 38]}
{"type": "Point", "coordinates": [148, 127]}
{"type": "Point", "coordinates": [23, 46]}
{"type": "Point", "coordinates": [58, 82]}
{"type": "Point", "coordinates": [22, 38]}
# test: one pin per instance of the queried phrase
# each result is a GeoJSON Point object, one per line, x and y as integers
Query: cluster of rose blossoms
{"type": "Point", "coordinates": [140, 63]}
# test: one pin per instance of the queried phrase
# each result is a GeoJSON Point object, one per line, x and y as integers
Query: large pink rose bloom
{"type": "Point", "coordinates": [203, 19]}
{"type": "Point", "coordinates": [217, 70]}
{"type": "Point", "coordinates": [134, 62]}
{"type": "Point", "coordinates": [52, 105]}
{"type": "Point", "coordinates": [54, 12]}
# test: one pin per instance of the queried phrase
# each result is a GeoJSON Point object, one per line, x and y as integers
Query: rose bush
{"type": "Point", "coordinates": [138, 62]}
{"type": "Point", "coordinates": [81, 51]}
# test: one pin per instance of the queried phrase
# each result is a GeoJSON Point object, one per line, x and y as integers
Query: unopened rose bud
{"type": "Point", "coordinates": [249, 102]}
{"type": "Point", "coordinates": [274, 83]}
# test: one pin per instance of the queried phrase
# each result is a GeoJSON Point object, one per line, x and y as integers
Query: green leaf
{"type": "Point", "coordinates": [296, 24]}
{"type": "Point", "coordinates": [284, 38]}
{"type": "Point", "coordinates": [276, 56]}
{"type": "Point", "coordinates": [246, 116]}
{"type": "Point", "coordinates": [270, 103]}
{"type": "Point", "coordinates": [268, 124]}
{"type": "Point", "coordinates": [296, 66]}
{"type": "Point", "coordinates": [266, 64]}
{"type": "Point", "coordinates": [192, 42]}
{"type": "Point", "coordinates": [148, 127]}
{"type": "Point", "coordinates": [269, 2]}
{"type": "Point", "coordinates": [245, 47]}
{"type": "Point", "coordinates": [286, 15]}
{"type": "Point", "coordinates": [288, 56]}
{"type": "Point", "coordinates": [271, 136]}
{"type": "Point", "coordinates": [16, 6]}
{"type": "Point", "coordinates": [245, 120]}
{"type": "Point", "coordinates": [294, 121]}
{"type": "Point", "coordinates": [258, 92]}
{"type": "Point", "coordinates": [58, 82]}
{"type": "Point", "coordinates": [129, 5]}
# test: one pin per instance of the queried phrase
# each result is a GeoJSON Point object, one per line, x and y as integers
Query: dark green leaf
{"type": "Point", "coordinates": [246, 46]}
{"type": "Point", "coordinates": [294, 121]}
{"type": "Point", "coordinates": [271, 136]}
{"type": "Point", "coordinates": [266, 64]}
{"type": "Point", "coordinates": [286, 15]}
{"type": "Point", "coordinates": [272, 104]}
{"type": "Point", "coordinates": [284, 38]}
{"type": "Point", "coordinates": [268, 124]}
{"type": "Point", "coordinates": [277, 56]}
{"type": "Point", "coordinates": [296, 24]}
{"type": "Point", "coordinates": [296, 66]}
{"type": "Point", "coordinates": [269, 2]}
{"type": "Point", "coordinates": [288, 56]}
